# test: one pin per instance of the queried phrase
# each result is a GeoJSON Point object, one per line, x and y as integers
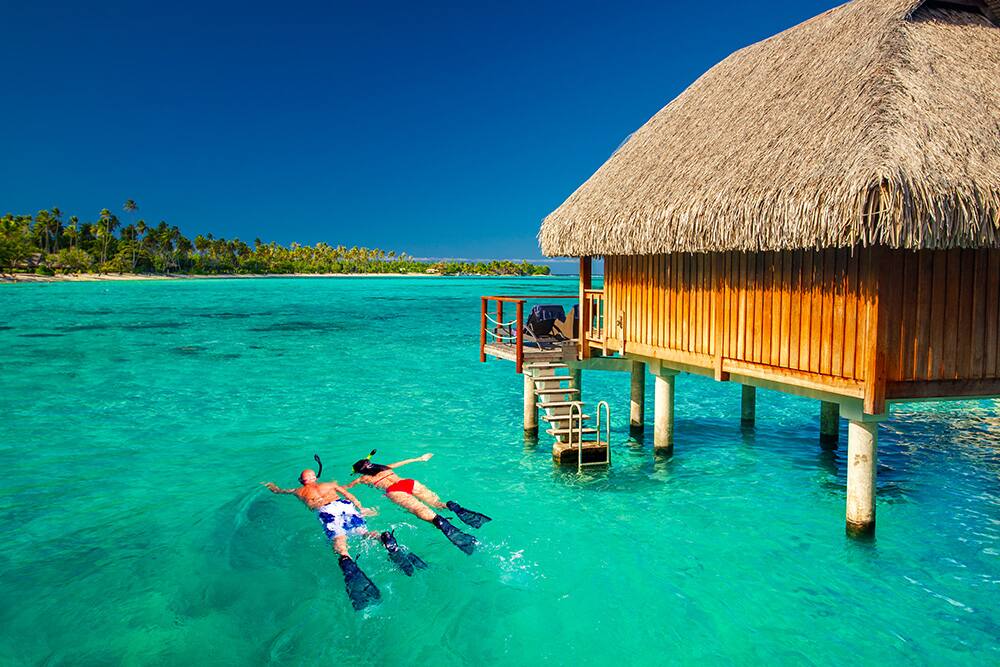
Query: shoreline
{"type": "Point", "coordinates": [119, 277]}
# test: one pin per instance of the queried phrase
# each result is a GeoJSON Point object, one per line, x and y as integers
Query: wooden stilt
{"type": "Point", "coordinates": [663, 414]}
{"type": "Point", "coordinates": [637, 396]}
{"type": "Point", "coordinates": [577, 375]}
{"type": "Point", "coordinates": [530, 409]}
{"type": "Point", "coordinates": [862, 462]}
{"type": "Point", "coordinates": [748, 409]}
{"type": "Point", "coordinates": [829, 424]}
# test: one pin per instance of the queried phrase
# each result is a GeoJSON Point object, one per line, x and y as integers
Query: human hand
{"type": "Point", "coordinates": [271, 486]}
{"type": "Point", "coordinates": [426, 457]}
{"type": "Point", "coordinates": [369, 511]}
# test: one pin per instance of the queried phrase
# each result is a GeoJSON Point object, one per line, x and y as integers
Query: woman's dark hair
{"type": "Point", "coordinates": [366, 467]}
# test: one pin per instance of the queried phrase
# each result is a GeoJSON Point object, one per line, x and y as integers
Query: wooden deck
{"type": "Point", "coordinates": [508, 351]}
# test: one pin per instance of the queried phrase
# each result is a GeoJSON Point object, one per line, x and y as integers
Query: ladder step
{"type": "Point", "coordinates": [562, 418]}
{"type": "Point", "coordinates": [566, 431]}
{"type": "Point", "coordinates": [551, 392]}
{"type": "Point", "coordinates": [546, 364]}
{"type": "Point", "coordinates": [553, 378]}
{"type": "Point", "coordinates": [558, 404]}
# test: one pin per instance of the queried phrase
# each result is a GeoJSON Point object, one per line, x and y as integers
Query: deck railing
{"type": "Point", "coordinates": [493, 328]}
{"type": "Point", "coordinates": [593, 316]}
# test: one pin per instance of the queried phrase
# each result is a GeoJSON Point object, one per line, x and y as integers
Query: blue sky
{"type": "Point", "coordinates": [436, 129]}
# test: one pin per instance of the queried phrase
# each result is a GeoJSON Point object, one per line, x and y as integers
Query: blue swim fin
{"type": "Point", "coordinates": [360, 589]}
{"type": "Point", "coordinates": [401, 556]}
{"type": "Point", "coordinates": [474, 519]}
{"type": "Point", "coordinates": [463, 541]}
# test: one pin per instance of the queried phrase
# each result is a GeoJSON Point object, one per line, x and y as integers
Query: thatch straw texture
{"type": "Point", "coordinates": [877, 122]}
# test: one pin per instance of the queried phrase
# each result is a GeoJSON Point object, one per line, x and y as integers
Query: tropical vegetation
{"type": "Point", "coordinates": [49, 243]}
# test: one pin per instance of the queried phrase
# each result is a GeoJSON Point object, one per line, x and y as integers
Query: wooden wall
{"type": "Point", "coordinates": [862, 322]}
{"type": "Point", "coordinates": [943, 322]}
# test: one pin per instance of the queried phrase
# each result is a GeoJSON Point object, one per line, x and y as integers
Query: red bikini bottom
{"type": "Point", "coordinates": [402, 486]}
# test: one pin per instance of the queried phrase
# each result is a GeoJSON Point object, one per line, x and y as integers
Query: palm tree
{"type": "Point", "coordinates": [70, 231]}
{"type": "Point", "coordinates": [106, 225]}
{"type": "Point", "coordinates": [140, 230]}
{"type": "Point", "coordinates": [41, 230]}
{"type": "Point", "coordinates": [55, 227]}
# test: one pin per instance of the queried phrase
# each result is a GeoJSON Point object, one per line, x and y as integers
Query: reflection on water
{"type": "Point", "coordinates": [135, 530]}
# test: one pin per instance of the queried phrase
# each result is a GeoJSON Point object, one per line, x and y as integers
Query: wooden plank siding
{"type": "Point", "coordinates": [890, 323]}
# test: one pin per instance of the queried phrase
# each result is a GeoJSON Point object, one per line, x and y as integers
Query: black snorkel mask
{"type": "Point", "coordinates": [366, 467]}
{"type": "Point", "coordinates": [319, 472]}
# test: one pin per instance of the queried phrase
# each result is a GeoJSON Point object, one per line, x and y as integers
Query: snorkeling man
{"type": "Point", "coordinates": [341, 517]}
{"type": "Point", "coordinates": [413, 496]}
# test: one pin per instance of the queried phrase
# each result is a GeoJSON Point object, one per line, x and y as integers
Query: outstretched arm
{"type": "Point", "coordinates": [350, 496]}
{"type": "Point", "coordinates": [399, 464]}
{"type": "Point", "coordinates": [274, 488]}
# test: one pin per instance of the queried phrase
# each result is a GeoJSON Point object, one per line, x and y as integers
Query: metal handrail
{"type": "Point", "coordinates": [607, 427]}
{"type": "Point", "coordinates": [576, 410]}
{"type": "Point", "coordinates": [607, 434]}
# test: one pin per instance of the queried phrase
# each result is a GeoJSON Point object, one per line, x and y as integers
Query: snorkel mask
{"type": "Point", "coordinates": [365, 465]}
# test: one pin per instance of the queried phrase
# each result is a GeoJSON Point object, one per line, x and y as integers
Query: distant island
{"type": "Point", "coordinates": [45, 245]}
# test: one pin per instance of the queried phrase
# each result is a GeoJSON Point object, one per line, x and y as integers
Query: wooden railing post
{"type": "Point", "coordinates": [482, 330]}
{"type": "Point", "coordinates": [584, 328]}
{"type": "Point", "coordinates": [499, 315]}
{"type": "Point", "coordinates": [520, 335]}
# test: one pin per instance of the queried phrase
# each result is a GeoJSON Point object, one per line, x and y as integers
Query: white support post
{"type": "Point", "coordinates": [663, 412]}
{"type": "Point", "coordinates": [530, 408]}
{"type": "Point", "coordinates": [862, 463]}
{"type": "Point", "coordinates": [637, 396]}
{"type": "Point", "coordinates": [748, 408]}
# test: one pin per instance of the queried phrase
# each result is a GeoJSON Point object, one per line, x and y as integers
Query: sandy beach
{"type": "Point", "coordinates": [114, 277]}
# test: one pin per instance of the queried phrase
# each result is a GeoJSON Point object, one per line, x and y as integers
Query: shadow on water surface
{"type": "Point", "coordinates": [301, 326]}
{"type": "Point", "coordinates": [225, 316]}
{"type": "Point", "coordinates": [134, 326]}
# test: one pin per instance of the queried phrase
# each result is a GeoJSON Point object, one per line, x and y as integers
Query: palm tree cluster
{"type": "Point", "coordinates": [48, 243]}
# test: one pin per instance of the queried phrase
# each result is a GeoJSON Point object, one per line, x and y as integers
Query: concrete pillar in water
{"type": "Point", "coordinates": [637, 395]}
{"type": "Point", "coordinates": [530, 409]}
{"type": "Point", "coordinates": [829, 424]}
{"type": "Point", "coordinates": [663, 412]}
{"type": "Point", "coordinates": [862, 461]}
{"type": "Point", "coordinates": [577, 375]}
{"type": "Point", "coordinates": [748, 409]}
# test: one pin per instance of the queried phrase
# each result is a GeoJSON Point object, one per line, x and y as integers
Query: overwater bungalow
{"type": "Point", "coordinates": [818, 214]}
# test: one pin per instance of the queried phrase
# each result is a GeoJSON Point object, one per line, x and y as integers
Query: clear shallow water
{"type": "Point", "coordinates": [137, 419]}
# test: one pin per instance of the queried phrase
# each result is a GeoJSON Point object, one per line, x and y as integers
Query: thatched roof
{"type": "Point", "coordinates": [877, 122]}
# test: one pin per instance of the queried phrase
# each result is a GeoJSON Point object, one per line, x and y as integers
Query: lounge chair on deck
{"type": "Point", "coordinates": [541, 328]}
{"type": "Point", "coordinates": [546, 325]}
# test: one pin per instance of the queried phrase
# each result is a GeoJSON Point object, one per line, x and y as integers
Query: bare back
{"type": "Point", "coordinates": [382, 480]}
{"type": "Point", "coordinates": [318, 494]}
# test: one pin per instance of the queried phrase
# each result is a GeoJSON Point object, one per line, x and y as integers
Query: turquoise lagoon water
{"type": "Point", "coordinates": [137, 420]}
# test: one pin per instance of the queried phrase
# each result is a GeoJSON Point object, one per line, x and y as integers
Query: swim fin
{"type": "Point", "coordinates": [463, 541]}
{"type": "Point", "coordinates": [474, 519]}
{"type": "Point", "coordinates": [360, 588]}
{"type": "Point", "coordinates": [400, 556]}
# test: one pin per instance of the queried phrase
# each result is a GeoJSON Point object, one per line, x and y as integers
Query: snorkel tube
{"type": "Point", "coordinates": [320, 464]}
